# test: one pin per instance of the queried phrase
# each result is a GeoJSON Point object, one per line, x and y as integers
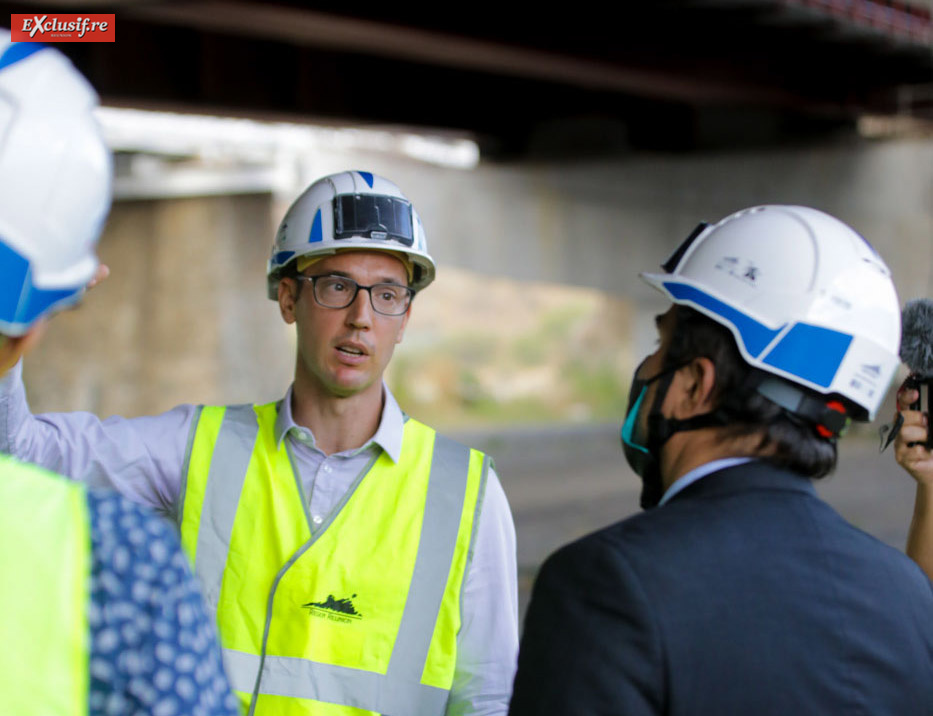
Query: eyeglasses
{"type": "Point", "coordinates": [389, 299]}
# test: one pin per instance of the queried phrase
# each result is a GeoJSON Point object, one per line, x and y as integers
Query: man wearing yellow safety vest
{"type": "Point", "coordinates": [356, 562]}
{"type": "Point", "coordinates": [101, 614]}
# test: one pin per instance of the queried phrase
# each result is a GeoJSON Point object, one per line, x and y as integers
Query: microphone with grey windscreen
{"type": "Point", "coordinates": [917, 354]}
{"type": "Point", "coordinates": [917, 338]}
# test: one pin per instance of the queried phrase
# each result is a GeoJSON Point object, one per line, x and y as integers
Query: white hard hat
{"type": "Point", "coordinates": [806, 297]}
{"type": "Point", "coordinates": [350, 210]}
{"type": "Point", "coordinates": [55, 175]}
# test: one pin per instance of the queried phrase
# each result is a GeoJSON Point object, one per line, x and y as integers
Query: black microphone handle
{"type": "Point", "coordinates": [928, 383]}
{"type": "Point", "coordinates": [919, 381]}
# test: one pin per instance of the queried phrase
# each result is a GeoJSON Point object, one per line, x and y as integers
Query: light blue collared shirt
{"type": "Point", "coordinates": [698, 473]}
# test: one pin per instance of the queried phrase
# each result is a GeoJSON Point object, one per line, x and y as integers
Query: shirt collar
{"type": "Point", "coordinates": [699, 473]}
{"type": "Point", "coordinates": [388, 435]}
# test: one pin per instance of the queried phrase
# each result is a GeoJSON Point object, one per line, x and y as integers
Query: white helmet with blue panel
{"type": "Point", "coordinates": [56, 174]}
{"type": "Point", "coordinates": [806, 297]}
{"type": "Point", "coordinates": [350, 210]}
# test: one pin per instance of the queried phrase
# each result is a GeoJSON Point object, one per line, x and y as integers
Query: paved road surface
{"type": "Point", "coordinates": [563, 482]}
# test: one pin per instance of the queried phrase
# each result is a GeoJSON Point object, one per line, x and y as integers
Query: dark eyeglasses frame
{"type": "Point", "coordinates": [357, 286]}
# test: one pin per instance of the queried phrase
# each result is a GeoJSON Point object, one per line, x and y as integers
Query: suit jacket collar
{"type": "Point", "coordinates": [747, 477]}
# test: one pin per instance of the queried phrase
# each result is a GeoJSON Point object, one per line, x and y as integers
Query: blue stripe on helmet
{"type": "Point", "coordinates": [21, 303]}
{"type": "Point", "coordinates": [317, 233]}
{"type": "Point", "coordinates": [813, 353]}
{"type": "Point", "coordinates": [367, 177]}
{"type": "Point", "coordinates": [756, 336]}
{"type": "Point", "coordinates": [14, 271]}
{"type": "Point", "coordinates": [18, 51]}
{"type": "Point", "coordinates": [282, 257]}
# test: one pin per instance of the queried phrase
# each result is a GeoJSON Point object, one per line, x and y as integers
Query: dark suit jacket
{"type": "Point", "coordinates": [746, 594]}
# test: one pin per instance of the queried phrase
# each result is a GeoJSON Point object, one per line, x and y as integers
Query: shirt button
{"type": "Point", "coordinates": [317, 519]}
{"type": "Point", "coordinates": [326, 468]}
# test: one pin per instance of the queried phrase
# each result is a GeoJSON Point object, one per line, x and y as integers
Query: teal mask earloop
{"type": "Point", "coordinates": [627, 433]}
{"type": "Point", "coordinates": [643, 459]}
{"type": "Point", "coordinates": [628, 427]}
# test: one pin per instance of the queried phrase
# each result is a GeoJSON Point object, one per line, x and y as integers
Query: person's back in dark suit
{"type": "Point", "coordinates": [746, 594]}
{"type": "Point", "coordinates": [741, 592]}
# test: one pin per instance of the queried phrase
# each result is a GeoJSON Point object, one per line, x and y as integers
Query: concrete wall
{"type": "Point", "coordinates": [595, 224]}
{"type": "Point", "coordinates": [599, 224]}
{"type": "Point", "coordinates": [181, 319]}
{"type": "Point", "coordinates": [184, 318]}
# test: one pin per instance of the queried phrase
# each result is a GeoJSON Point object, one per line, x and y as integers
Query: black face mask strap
{"type": "Point", "coordinates": [654, 442]}
{"type": "Point", "coordinates": [660, 428]}
{"type": "Point", "coordinates": [827, 417]}
{"type": "Point", "coordinates": [664, 428]}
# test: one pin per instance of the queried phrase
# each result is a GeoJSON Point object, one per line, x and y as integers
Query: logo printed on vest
{"type": "Point", "coordinates": [338, 610]}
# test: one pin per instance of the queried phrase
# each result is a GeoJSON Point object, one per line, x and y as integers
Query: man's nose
{"type": "Point", "coordinates": [360, 311]}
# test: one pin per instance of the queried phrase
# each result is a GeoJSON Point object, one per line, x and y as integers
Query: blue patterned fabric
{"type": "Point", "coordinates": [153, 649]}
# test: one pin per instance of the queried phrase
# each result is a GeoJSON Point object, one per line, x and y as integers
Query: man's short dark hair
{"type": "Point", "coordinates": [787, 440]}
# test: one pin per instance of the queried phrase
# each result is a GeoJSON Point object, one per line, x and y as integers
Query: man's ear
{"type": "Point", "coordinates": [288, 296]}
{"type": "Point", "coordinates": [697, 383]}
{"type": "Point", "coordinates": [12, 348]}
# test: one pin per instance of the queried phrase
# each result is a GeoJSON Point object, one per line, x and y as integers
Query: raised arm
{"type": "Point", "coordinates": [911, 453]}
{"type": "Point", "coordinates": [142, 458]}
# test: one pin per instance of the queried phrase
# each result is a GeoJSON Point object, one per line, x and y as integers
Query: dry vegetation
{"type": "Point", "coordinates": [481, 349]}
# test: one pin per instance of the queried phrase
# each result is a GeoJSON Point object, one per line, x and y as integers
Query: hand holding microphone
{"type": "Point", "coordinates": [917, 354]}
{"type": "Point", "coordinates": [910, 450]}
{"type": "Point", "coordinates": [913, 440]}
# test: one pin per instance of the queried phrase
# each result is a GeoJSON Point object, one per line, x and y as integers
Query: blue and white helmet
{"type": "Point", "coordinates": [350, 210]}
{"type": "Point", "coordinates": [806, 297]}
{"type": "Point", "coordinates": [56, 177]}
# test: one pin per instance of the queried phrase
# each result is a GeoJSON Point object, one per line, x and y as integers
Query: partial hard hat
{"type": "Point", "coordinates": [806, 297]}
{"type": "Point", "coordinates": [350, 210]}
{"type": "Point", "coordinates": [55, 174]}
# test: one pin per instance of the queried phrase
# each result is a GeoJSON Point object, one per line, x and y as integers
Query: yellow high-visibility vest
{"type": "Point", "coordinates": [357, 616]}
{"type": "Point", "coordinates": [45, 545]}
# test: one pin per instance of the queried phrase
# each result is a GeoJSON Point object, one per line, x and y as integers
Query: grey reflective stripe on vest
{"type": "Point", "coordinates": [398, 691]}
{"type": "Point", "coordinates": [443, 506]}
{"type": "Point", "coordinates": [229, 463]}
{"type": "Point", "coordinates": [303, 679]}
